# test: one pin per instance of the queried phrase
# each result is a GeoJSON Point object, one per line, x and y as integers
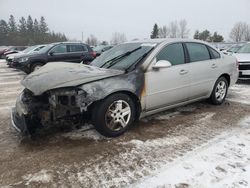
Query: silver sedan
{"type": "Point", "coordinates": [128, 82]}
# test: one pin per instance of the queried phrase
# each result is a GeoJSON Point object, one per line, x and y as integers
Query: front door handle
{"type": "Point", "coordinates": [182, 72]}
{"type": "Point", "coordinates": [214, 66]}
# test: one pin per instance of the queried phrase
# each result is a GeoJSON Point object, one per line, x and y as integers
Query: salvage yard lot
{"type": "Point", "coordinates": [158, 146]}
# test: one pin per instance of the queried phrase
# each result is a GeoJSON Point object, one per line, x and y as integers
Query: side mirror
{"type": "Point", "coordinates": [51, 53]}
{"type": "Point", "coordinates": [162, 64]}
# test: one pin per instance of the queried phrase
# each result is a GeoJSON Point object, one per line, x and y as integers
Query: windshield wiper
{"type": "Point", "coordinates": [114, 60]}
{"type": "Point", "coordinates": [138, 60]}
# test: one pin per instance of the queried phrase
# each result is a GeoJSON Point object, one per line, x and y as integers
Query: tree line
{"type": "Point", "coordinates": [239, 33]}
{"type": "Point", "coordinates": [117, 38]}
{"type": "Point", "coordinates": [27, 32]}
{"type": "Point", "coordinates": [172, 30]}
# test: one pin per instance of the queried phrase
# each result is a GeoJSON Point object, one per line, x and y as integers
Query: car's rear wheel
{"type": "Point", "coordinates": [36, 66]}
{"type": "Point", "coordinates": [113, 115]}
{"type": "Point", "coordinates": [219, 91]}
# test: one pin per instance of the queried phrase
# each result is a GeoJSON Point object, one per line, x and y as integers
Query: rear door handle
{"type": "Point", "coordinates": [214, 66]}
{"type": "Point", "coordinates": [182, 72]}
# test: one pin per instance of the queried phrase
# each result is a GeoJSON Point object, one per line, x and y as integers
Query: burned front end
{"type": "Point", "coordinates": [58, 106]}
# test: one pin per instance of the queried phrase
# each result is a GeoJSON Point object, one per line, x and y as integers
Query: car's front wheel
{"type": "Point", "coordinates": [220, 91]}
{"type": "Point", "coordinates": [36, 66]}
{"type": "Point", "coordinates": [113, 115]}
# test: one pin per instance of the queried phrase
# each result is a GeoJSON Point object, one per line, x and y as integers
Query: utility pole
{"type": "Point", "coordinates": [82, 36]}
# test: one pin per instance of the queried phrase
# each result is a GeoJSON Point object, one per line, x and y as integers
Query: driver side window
{"type": "Point", "coordinates": [173, 53]}
{"type": "Point", "coordinates": [59, 49]}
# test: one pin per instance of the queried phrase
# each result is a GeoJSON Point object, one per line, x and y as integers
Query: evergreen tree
{"type": "Point", "coordinates": [216, 37]}
{"type": "Point", "coordinates": [196, 34]}
{"type": "Point", "coordinates": [30, 26]}
{"type": "Point", "coordinates": [205, 35]}
{"type": "Point", "coordinates": [36, 27]}
{"type": "Point", "coordinates": [27, 32]}
{"type": "Point", "coordinates": [22, 27]}
{"type": "Point", "coordinates": [43, 27]}
{"type": "Point", "coordinates": [155, 32]}
{"type": "Point", "coordinates": [4, 31]}
{"type": "Point", "coordinates": [12, 24]}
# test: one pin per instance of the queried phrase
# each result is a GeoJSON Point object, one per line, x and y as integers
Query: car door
{"type": "Point", "coordinates": [203, 69]}
{"type": "Point", "coordinates": [75, 52]}
{"type": "Point", "coordinates": [58, 53]}
{"type": "Point", "coordinates": [170, 85]}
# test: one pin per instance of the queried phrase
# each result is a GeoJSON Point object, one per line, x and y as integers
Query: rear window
{"type": "Point", "coordinates": [197, 52]}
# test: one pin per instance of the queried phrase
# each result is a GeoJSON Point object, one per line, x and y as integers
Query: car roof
{"type": "Point", "coordinates": [68, 43]}
{"type": "Point", "coordinates": [167, 40]}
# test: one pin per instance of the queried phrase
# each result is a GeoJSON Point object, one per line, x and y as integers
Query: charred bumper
{"type": "Point", "coordinates": [19, 115]}
{"type": "Point", "coordinates": [18, 122]}
{"type": "Point", "coordinates": [23, 115]}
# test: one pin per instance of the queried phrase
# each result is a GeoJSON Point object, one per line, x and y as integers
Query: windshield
{"type": "Point", "coordinates": [46, 48]}
{"type": "Point", "coordinates": [137, 50]}
{"type": "Point", "coordinates": [29, 49]}
{"type": "Point", "coordinates": [244, 49]}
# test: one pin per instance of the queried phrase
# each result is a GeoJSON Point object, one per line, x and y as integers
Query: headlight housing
{"type": "Point", "coordinates": [23, 59]}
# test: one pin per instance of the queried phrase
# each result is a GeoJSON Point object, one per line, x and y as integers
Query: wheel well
{"type": "Point", "coordinates": [227, 76]}
{"type": "Point", "coordinates": [35, 63]}
{"type": "Point", "coordinates": [135, 99]}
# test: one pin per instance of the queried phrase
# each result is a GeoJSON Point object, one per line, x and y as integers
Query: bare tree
{"type": "Point", "coordinates": [247, 33]}
{"type": "Point", "coordinates": [240, 32]}
{"type": "Point", "coordinates": [92, 40]}
{"type": "Point", "coordinates": [173, 29]}
{"type": "Point", "coordinates": [118, 38]}
{"type": "Point", "coordinates": [163, 32]}
{"type": "Point", "coordinates": [183, 30]}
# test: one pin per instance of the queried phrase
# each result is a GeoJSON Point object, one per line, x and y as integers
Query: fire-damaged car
{"type": "Point", "coordinates": [128, 82]}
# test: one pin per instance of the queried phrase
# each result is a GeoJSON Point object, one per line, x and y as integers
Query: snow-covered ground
{"type": "Point", "coordinates": [240, 93]}
{"type": "Point", "coordinates": [223, 162]}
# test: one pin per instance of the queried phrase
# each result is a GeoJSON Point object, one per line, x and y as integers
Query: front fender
{"type": "Point", "coordinates": [132, 82]}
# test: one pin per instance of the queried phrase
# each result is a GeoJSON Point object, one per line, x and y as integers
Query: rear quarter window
{"type": "Point", "coordinates": [76, 48]}
{"type": "Point", "coordinates": [214, 53]}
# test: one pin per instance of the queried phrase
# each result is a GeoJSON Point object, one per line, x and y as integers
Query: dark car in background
{"type": "Point", "coordinates": [13, 49]}
{"type": "Point", "coordinates": [63, 52]}
{"type": "Point", "coordinates": [102, 48]}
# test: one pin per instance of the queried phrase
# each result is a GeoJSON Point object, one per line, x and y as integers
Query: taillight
{"type": "Point", "coordinates": [93, 54]}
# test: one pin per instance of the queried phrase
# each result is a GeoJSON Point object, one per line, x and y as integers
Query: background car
{"type": "Point", "coordinates": [13, 50]}
{"type": "Point", "coordinates": [243, 57]}
{"type": "Point", "coordinates": [102, 48]}
{"type": "Point", "coordinates": [32, 49]}
{"type": "Point", "coordinates": [2, 50]}
{"type": "Point", "coordinates": [65, 51]}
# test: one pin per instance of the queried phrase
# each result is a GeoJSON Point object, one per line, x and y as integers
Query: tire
{"type": "Point", "coordinates": [219, 91]}
{"type": "Point", "coordinates": [107, 115]}
{"type": "Point", "coordinates": [35, 67]}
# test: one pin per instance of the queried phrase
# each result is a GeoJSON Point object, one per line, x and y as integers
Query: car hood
{"type": "Point", "coordinates": [60, 74]}
{"type": "Point", "coordinates": [24, 55]}
{"type": "Point", "coordinates": [15, 55]}
{"type": "Point", "coordinates": [242, 57]}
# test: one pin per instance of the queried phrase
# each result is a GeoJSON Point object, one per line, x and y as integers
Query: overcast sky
{"type": "Point", "coordinates": [135, 18]}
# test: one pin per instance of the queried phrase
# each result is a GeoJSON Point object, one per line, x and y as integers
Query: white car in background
{"type": "Point", "coordinates": [29, 50]}
{"type": "Point", "coordinates": [243, 57]}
